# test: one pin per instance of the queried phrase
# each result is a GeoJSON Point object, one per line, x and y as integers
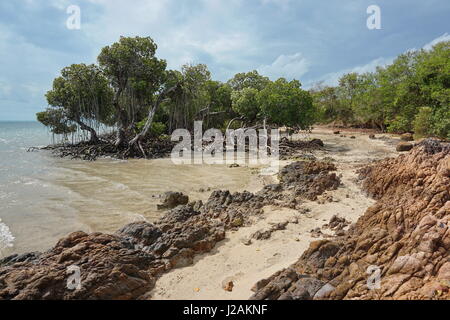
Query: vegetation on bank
{"type": "Point", "coordinates": [410, 95]}
{"type": "Point", "coordinates": [132, 90]}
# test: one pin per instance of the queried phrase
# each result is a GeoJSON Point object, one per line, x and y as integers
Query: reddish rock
{"type": "Point", "coordinates": [406, 234]}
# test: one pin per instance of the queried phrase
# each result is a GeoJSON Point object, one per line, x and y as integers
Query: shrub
{"type": "Point", "coordinates": [157, 129]}
{"type": "Point", "coordinates": [423, 123]}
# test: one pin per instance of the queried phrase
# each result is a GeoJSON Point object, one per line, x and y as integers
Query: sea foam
{"type": "Point", "coordinates": [6, 237]}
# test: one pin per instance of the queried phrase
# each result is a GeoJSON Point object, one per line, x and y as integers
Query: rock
{"type": "Point", "coordinates": [234, 165]}
{"type": "Point", "coordinates": [324, 291]}
{"type": "Point", "coordinates": [406, 234]}
{"type": "Point", "coordinates": [144, 234]}
{"type": "Point", "coordinates": [404, 146]}
{"type": "Point", "coordinates": [296, 149]}
{"type": "Point", "coordinates": [237, 222]}
{"type": "Point", "coordinates": [109, 269]}
{"type": "Point", "coordinates": [27, 257]}
{"type": "Point", "coordinates": [262, 235]}
{"type": "Point", "coordinates": [309, 179]}
{"type": "Point", "coordinates": [172, 200]}
{"type": "Point", "coordinates": [352, 137]}
{"type": "Point", "coordinates": [336, 132]}
{"type": "Point", "coordinates": [372, 137]}
{"type": "Point", "coordinates": [126, 264]}
{"type": "Point", "coordinates": [228, 285]}
{"type": "Point", "coordinates": [407, 137]}
{"type": "Point", "coordinates": [317, 142]}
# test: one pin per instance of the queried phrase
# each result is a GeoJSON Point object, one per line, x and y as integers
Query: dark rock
{"type": "Point", "coordinates": [27, 257]}
{"type": "Point", "coordinates": [140, 233]}
{"type": "Point", "coordinates": [404, 146]}
{"type": "Point", "coordinates": [172, 200]}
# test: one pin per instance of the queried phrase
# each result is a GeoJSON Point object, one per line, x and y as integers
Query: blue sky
{"type": "Point", "coordinates": [309, 40]}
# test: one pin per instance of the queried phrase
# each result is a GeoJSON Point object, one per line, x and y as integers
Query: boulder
{"type": "Point", "coordinates": [172, 200]}
{"type": "Point", "coordinates": [404, 147]}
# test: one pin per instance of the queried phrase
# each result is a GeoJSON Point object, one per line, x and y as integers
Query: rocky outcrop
{"type": "Point", "coordinates": [308, 180]}
{"type": "Point", "coordinates": [110, 269]}
{"type": "Point", "coordinates": [404, 147]}
{"type": "Point", "coordinates": [125, 265]}
{"type": "Point", "coordinates": [290, 149]}
{"type": "Point", "coordinates": [172, 200]}
{"type": "Point", "coordinates": [405, 237]}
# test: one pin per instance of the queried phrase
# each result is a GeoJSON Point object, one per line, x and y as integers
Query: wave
{"type": "Point", "coordinates": [4, 141]}
{"type": "Point", "coordinates": [6, 237]}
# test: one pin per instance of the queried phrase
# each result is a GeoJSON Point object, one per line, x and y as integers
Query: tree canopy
{"type": "Point", "coordinates": [80, 96]}
{"type": "Point", "coordinates": [410, 95]}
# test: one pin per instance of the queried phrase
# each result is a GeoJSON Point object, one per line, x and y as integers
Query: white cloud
{"type": "Point", "coordinates": [444, 37]}
{"type": "Point", "coordinates": [332, 79]}
{"type": "Point", "coordinates": [207, 34]}
{"type": "Point", "coordinates": [286, 66]}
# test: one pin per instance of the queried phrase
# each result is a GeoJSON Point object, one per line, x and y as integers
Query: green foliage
{"type": "Point", "coordinates": [157, 129]}
{"type": "Point", "coordinates": [135, 74]}
{"type": "Point", "coordinates": [191, 96]}
{"type": "Point", "coordinates": [244, 103]}
{"type": "Point", "coordinates": [393, 98]}
{"type": "Point", "coordinates": [80, 96]}
{"type": "Point", "coordinates": [250, 79]}
{"type": "Point", "coordinates": [423, 122]}
{"type": "Point", "coordinates": [82, 92]}
{"type": "Point", "coordinates": [56, 121]}
{"type": "Point", "coordinates": [285, 103]}
{"type": "Point", "coordinates": [131, 83]}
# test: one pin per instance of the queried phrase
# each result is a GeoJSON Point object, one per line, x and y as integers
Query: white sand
{"type": "Point", "coordinates": [245, 265]}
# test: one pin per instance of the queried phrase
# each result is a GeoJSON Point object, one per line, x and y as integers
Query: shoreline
{"type": "Point", "coordinates": [245, 265]}
{"type": "Point", "coordinates": [200, 249]}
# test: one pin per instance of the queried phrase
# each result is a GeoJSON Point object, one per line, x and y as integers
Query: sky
{"type": "Point", "coordinates": [308, 40]}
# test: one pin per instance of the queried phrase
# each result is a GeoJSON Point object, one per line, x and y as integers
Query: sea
{"type": "Point", "coordinates": [44, 198]}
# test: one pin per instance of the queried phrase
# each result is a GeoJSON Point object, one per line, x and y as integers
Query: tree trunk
{"type": "Point", "coordinates": [151, 115]}
{"type": "Point", "coordinates": [83, 126]}
{"type": "Point", "coordinates": [122, 121]}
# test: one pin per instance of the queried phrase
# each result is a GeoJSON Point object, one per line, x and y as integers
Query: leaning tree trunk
{"type": "Point", "coordinates": [83, 126]}
{"type": "Point", "coordinates": [148, 124]}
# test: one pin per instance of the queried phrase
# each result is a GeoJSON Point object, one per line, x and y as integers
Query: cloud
{"type": "Point", "coordinates": [332, 78]}
{"type": "Point", "coordinates": [306, 39]}
{"type": "Point", "coordinates": [430, 45]}
{"type": "Point", "coordinates": [286, 66]}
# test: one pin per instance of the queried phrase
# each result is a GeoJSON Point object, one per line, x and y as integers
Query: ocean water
{"type": "Point", "coordinates": [44, 198]}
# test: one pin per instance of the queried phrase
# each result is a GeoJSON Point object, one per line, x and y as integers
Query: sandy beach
{"type": "Point", "coordinates": [244, 265]}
